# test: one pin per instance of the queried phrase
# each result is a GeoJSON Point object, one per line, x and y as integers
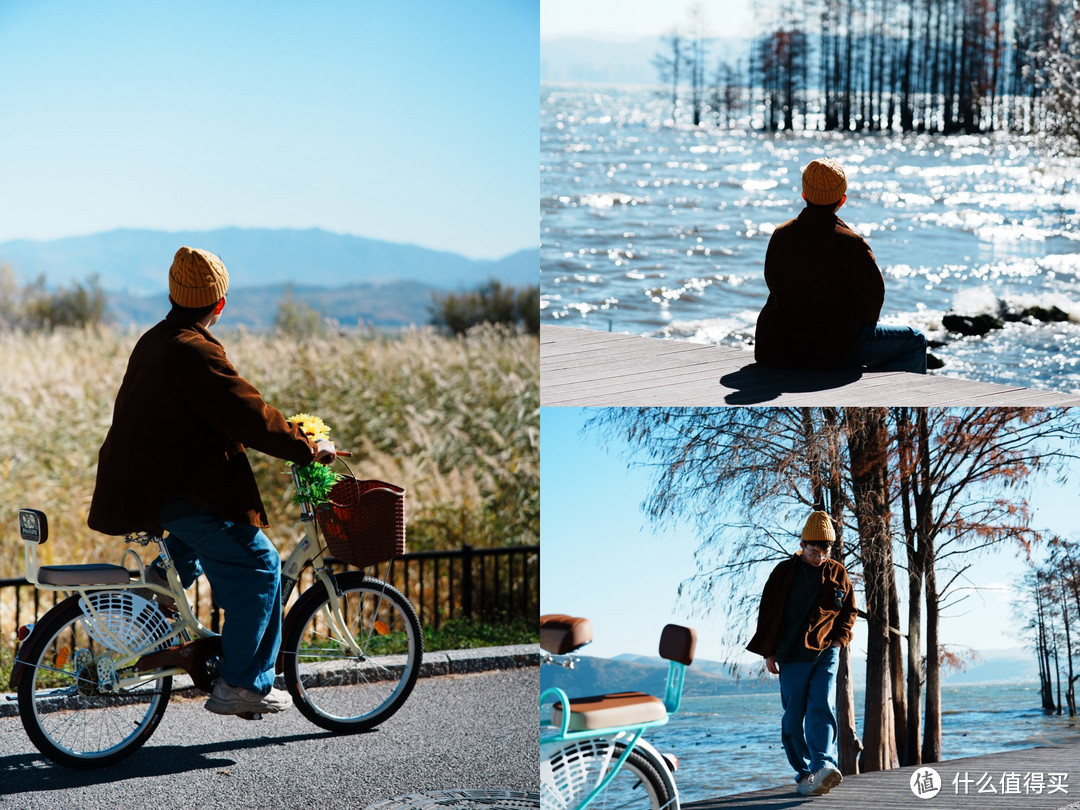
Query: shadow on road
{"type": "Point", "coordinates": [32, 773]}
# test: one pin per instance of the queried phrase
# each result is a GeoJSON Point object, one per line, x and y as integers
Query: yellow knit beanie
{"type": "Point", "coordinates": [818, 529]}
{"type": "Point", "coordinates": [197, 278]}
{"type": "Point", "coordinates": [824, 182]}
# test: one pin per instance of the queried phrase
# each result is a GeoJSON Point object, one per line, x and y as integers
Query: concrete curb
{"type": "Point", "coordinates": [442, 662]}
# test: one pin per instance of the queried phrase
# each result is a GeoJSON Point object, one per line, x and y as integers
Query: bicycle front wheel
{"type": "Point", "coordinates": [66, 713]}
{"type": "Point", "coordinates": [570, 772]}
{"type": "Point", "coordinates": [352, 677]}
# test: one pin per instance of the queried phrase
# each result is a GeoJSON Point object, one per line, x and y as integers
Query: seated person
{"type": "Point", "coordinates": [826, 291]}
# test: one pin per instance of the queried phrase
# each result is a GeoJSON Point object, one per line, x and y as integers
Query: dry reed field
{"type": "Point", "coordinates": [455, 421]}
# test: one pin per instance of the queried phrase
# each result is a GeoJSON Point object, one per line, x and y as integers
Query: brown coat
{"type": "Point", "coordinates": [824, 283]}
{"type": "Point", "coordinates": [182, 419]}
{"type": "Point", "coordinates": [828, 623]}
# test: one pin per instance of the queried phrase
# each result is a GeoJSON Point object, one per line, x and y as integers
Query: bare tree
{"type": "Point", "coordinates": [744, 476]}
{"type": "Point", "coordinates": [1060, 79]}
{"type": "Point", "coordinates": [697, 56]}
{"type": "Point", "coordinates": [669, 64]}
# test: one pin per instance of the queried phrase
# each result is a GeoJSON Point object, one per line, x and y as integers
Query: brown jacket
{"type": "Point", "coordinates": [824, 283]}
{"type": "Point", "coordinates": [180, 424]}
{"type": "Point", "coordinates": [828, 623]}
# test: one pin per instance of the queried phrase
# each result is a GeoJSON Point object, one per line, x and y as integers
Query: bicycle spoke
{"type": "Point", "coordinates": [65, 714]}
{"type": "Point", "coordinates": [352, 682]}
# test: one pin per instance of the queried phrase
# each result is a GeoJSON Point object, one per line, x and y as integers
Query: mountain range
{"type": "Point", "coordinates": [349, 278]}
{"type": "Point", "coordinates": [592, 676]}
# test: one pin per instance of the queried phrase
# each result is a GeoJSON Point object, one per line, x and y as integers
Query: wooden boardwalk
{"type": "Point", "coordinates": [586, 367]}
{"type": "Point", "coordinates": [1035, 778]}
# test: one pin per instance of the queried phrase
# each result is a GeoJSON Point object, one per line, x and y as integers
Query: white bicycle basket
{"type": "Point", "coordinates": [570, 772]}
{"type": "Point", "coordinates": [123, 621]}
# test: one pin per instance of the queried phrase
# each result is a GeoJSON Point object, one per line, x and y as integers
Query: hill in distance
{"type": "Point", "coordinates": [348, 278]}
{"type": "Point", "coordinates": [592, 676]}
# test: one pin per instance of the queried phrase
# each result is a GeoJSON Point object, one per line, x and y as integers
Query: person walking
{"type": "Point", "coordinates": [806, 615]}
{"type": "Point", "coordinates": [826, 291]}
{"type": "Point", "coordinates": [174, 460]}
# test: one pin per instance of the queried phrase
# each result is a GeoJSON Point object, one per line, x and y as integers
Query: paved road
{"type": "Point", "coordinates": [475, 731]}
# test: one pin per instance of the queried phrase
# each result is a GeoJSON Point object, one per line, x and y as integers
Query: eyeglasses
{"type": "Point", "coordinates": [823, 550]}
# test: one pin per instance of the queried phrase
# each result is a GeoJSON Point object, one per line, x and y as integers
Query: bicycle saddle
{"type": "Point", "coordinates": [610, 711]}
{"type": "Point", "coordinates": [677, 644]}
{"type": "Point", "coordinates": [561, 634]}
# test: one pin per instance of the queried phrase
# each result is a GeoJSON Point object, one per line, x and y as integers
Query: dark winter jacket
{"type": "Point", "coordinates": [824, 283]}
{"type": "Point", "coordinates": [831, 618]}
{"type": "Point", "coordinates": [182, 419]}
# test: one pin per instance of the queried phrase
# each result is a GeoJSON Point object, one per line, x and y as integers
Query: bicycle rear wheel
{"type": "Point", "coordinates": [569, 772]}
{"type": "Point", "coordinates": [335, 688]}
{"type": "Point", "coordinates": [66, 715]}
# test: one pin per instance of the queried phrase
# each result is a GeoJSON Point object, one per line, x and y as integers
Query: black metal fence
{"type": "Point", "coordinates": [486, 584]}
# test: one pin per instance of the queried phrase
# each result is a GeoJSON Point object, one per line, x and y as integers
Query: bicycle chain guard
{"type": "Point", "coordinates": [198, 658]}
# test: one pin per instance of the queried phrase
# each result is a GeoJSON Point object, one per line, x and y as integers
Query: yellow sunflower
{"type": "Point", "coordinates": [314, 427]}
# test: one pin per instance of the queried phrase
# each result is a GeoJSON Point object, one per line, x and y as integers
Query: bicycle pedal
{"type": "Point", "coordinates": [250, 715]}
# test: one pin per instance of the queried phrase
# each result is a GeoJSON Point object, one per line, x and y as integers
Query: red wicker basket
{"type": "Point", "coordinates": [364, 521]}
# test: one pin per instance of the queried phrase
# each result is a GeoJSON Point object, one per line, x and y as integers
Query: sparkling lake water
{"type": "Point", "coordinates": [661, 230]}
{"type": "Point", "coordinates": [731, 744]}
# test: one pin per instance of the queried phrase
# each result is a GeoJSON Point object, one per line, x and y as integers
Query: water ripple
{"type": "Point", "coordinates": [660, 229]}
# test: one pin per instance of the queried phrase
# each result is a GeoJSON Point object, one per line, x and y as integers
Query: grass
{"type": "Point", "coordinates": [466, 634]}
{"type": "Point", "coordinates": [454, 420]}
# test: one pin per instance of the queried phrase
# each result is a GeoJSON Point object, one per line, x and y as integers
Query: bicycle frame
{"type": "Point", "coordinates": [187, 627]}
{"type": "Point", "coordinates": [309, 551]}
{"type": "Point", "coordinates": [672, 701]}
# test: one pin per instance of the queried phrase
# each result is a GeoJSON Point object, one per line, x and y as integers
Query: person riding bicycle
{"type": "Point", "coordinates": [174, 460]}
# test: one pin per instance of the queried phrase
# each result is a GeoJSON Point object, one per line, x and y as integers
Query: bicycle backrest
{"type": "Point", "coordinates": [561, 634]}
{"type": "Point", "coordinates": [34, 530]}
{"type": "Point", "coordinates": [33, 526]}
{"type": "Point", "coordinates": [677, 643]}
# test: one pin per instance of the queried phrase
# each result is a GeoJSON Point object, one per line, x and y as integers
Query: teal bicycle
{"type": "Point", "coordinates": [592, 751]}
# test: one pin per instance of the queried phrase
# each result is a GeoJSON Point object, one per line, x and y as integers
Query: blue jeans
{"type": "Point", "coordinates": [244, 570]}
{"type": "Point", "coordinates": [890, 348]}
{"type": "Point", "coordinates": [808, 695]}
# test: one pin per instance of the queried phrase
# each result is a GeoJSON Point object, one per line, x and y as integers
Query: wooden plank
{"type": "Point", "coordinates": [583, 367]}
{"type": "Point", "coordinates": [1015, 777]}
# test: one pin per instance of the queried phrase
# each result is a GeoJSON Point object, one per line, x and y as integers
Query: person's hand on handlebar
{"type": "Point", "coordinates": [325, 453]}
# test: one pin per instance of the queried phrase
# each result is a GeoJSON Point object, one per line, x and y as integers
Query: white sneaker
{"type": "Point", "coordinates": [227, 699]}
{"type": "Point", "coordinates": [805, 786]}
{"type": "Point", "coordinates": [825, 780]}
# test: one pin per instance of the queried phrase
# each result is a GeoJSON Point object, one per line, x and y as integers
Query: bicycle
{"type": "Point", "coordinates": [94, 674]}
{"type": "Point", "coordinates": [584, 751]}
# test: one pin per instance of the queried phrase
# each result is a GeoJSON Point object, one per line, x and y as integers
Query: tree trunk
{"type": "Point", "coordinates": [912, 745]}
{"type": "Point", "coordinates": [1070, 695]}
{"type": "Point", "coordinates": [896, 665]}
{"type": "Point", "coordinates": [1044, 652]}
{"type": "Point", "coordinates": [910, 499]}
{"type": "Point", "coordinates": [868, 453]}
{"type": "Point", "coordinates": [931, 747]}
{"type": "Point", "coordinates": [924, 508]}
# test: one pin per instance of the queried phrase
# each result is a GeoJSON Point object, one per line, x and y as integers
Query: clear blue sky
{"type": "Point", "coordinates": [602, 559]}
{"type": "Point", "coordinates": [623, 20]}
{"type": "Point", "coordinates": [413, 121]}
